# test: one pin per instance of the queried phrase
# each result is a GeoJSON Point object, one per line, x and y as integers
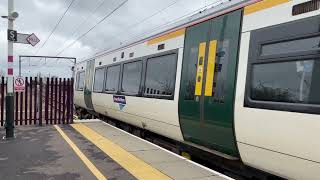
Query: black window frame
{"type": "Point", "coordinates": [144, 60]}
{"type": "Point", "coordinates": [104, 79]}
{"type": "Point", "coordinates": [275, 34]}
{"type": "Point", "coordinates": [141, 78]}
{"type": "Point", "coordinates": [78, 76]}
{"type": "Point", "coordinates": [156, 96]}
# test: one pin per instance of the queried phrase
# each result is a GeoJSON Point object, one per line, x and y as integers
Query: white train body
{"type": "Point", "coordinates": [281, 142]}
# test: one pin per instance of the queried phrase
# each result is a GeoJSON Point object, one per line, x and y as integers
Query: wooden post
{"type": "Point", "coordinates": [16, 119]}
{"type": "Point", "coordinates": [60, 96]}
{"type": "Point", "coordinates": [21, 107]}
{"type": "Point", "coordinates": [46, 104]}
{"type": "Point", "coordinates": [2, 101]}
{"type": "Point", "coordinates": [55, 99]}
{"type": "Point", "coordinates": [71, 100]}
{"type": "Point", "coordinates": [68, 100]}
{"type": "Point", "coordinates": [40, 100]}
{"type": "Point", "coordinates": [35, 118]}
{"type": "Point", "coordinates": [51, 101]}
{"type": "Point", "coordinates": [26, 103]}
{"type": "Point", "coordinates": [63, 100]}
{"type": "Point", "coordinates": [30, 104]}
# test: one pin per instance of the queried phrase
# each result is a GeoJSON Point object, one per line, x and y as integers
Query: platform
{"type": "Point", "coordinates": [91, 149]}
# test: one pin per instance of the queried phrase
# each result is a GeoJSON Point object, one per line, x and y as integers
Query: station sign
{"type": "Point", "coordinates": [19, 84]}
{"type": "Point", "coordinates": [23, 38]}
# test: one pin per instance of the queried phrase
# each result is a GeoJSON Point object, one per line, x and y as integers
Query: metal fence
{"type": "Point", "coordinates": [44, 101]}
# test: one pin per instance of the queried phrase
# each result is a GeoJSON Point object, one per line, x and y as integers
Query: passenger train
{"type": "Point", "coordinates": [240, 81]}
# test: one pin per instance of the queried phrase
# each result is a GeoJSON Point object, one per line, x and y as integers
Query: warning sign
{"type": "Point", "coordinates": [19, 84]}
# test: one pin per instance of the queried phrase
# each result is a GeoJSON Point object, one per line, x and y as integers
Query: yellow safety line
{"type": "Point", "coordinates": [85, 160]}
{"type": "Point", "coordinates": [263, 5]}
{"type": "Point", "coordinates": [137, 167]}
{"type": "Point", "coordinates": [211, 67]}
{"type": "Point", "coordinates": [168, 36]}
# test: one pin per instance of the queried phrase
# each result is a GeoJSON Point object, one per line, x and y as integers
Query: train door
{"type": "Point", "coordinates": [208, 83]}
{"type": "Point", "coordinates": [88, 84]}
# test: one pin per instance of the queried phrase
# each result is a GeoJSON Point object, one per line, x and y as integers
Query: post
{"type": "Point", "coordinates": [19, 66]}
{"type": "Point", "coordinates": [9, 98]}
{"type": "Point", "coordinates": [40, 100]}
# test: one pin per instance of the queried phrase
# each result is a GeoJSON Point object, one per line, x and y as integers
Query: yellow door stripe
{"type": "Point", "coordinates": [85, 160]}
{"type": "Point", "coordinates": [165, 37]}
{"type": "Point", "coordinates": [131, 163]}
{"type": "Point", "coordinates": [211, 67]}
{"type": "Point", "coordinates": [200, 68]}
{"type": "Point", "coordinates": [263, 5]}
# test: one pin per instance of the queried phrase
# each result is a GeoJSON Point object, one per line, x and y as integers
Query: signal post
{"type": "Point", "coordinates": [12, 36]}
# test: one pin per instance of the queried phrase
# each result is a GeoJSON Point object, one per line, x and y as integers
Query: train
{"type": "Point", "coordinates": [240, 80]}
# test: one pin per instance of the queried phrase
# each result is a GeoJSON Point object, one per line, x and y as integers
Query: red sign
{"type": "Point", "coordinates": [19, 84]}
{"type": "Point", "coordinates": [33, 39]}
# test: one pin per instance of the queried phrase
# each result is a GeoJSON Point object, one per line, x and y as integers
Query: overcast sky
{"type": "Point", "coordinates": [41, 16]}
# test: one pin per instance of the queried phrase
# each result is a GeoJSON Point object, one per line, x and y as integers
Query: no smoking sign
{"type": "Point", "coordinates": [19, 84]}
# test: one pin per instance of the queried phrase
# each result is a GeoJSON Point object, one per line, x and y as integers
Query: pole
{"type": "Point", "coordinates": [19, 66]}
{"type": "Point", "coordinates": [9, 97]}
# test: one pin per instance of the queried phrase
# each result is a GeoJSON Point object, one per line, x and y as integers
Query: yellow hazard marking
{"type": "Point", "coordinates": [211, 67]}
{"type": "Point", "coordinates": [200, 67]}
{"type": "Point", "coordinates": [265, 4]}
{"type": "Point", "coordinates": [186, 155]}
{"type": "Point", "coordinates": [168, 36]}
{"type": "Point", "coordinates": [137, 167]}
{"type": "Point", "coordinates": [85, 160]}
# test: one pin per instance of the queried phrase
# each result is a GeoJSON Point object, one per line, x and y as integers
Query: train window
{"type": "Point", "coordinates": [291, 82]}
{"type": "Point", "coordinates": [284, 75]}
{"type": "Point", "coordinates": [161, 76]}
{"type": "Point", "coordinates": [221, 70]}
{"type": "Point", "coordinates": [131, 77]}
{"type": "Point", "coordinates": [311, 43]}
{"type": "Point", "coordinates": [191, 68]}
{"type": "Point", "coordinates": [98, 80]}
{"type": "Point", "coordinates": [80, 80]}
{"type": "Point", "coordinates": [112, 81]}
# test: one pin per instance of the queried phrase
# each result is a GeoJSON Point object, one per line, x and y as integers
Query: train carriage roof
{"type": "Point", "coordinates": [218, 10]}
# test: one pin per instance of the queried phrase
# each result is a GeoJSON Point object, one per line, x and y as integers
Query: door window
{"type": "Point", "coordinates": [221, 70]}
{"type": "Point", "coordinates": [80, 80]}
{"type": "Point", "coordinates": [98, 80]}
{"type": "Point", "coordinates": [191, 76]}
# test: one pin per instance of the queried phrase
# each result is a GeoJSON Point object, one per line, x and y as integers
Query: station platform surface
{"type": "Point", "coordinates": [91, 149]}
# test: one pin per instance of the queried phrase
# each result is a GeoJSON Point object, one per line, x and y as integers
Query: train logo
{"type": "Point", "coordinates": [121, 100]}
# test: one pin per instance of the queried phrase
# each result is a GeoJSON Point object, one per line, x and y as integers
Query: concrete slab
{"type": "Point", "coordinates": [183, 170]}
{"type": "Point", "coordinates": [127, 142]}
{"type": "Point", "coordinates": [131, 144]}
{"type": "Point", "coordinates": [86, 120]}
{"type": "Point", "coordinates": [210, 178]}
{"type": "Point", "coordinates": [156, 156]}
{"type": "Point", "coordinates": [104, 129]}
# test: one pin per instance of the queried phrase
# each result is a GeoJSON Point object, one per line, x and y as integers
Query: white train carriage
{"type": "Point", "coordinates": [240, 80]}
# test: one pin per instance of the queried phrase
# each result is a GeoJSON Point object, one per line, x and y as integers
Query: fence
{"type": "Point", "coordinates": [44, 101]}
